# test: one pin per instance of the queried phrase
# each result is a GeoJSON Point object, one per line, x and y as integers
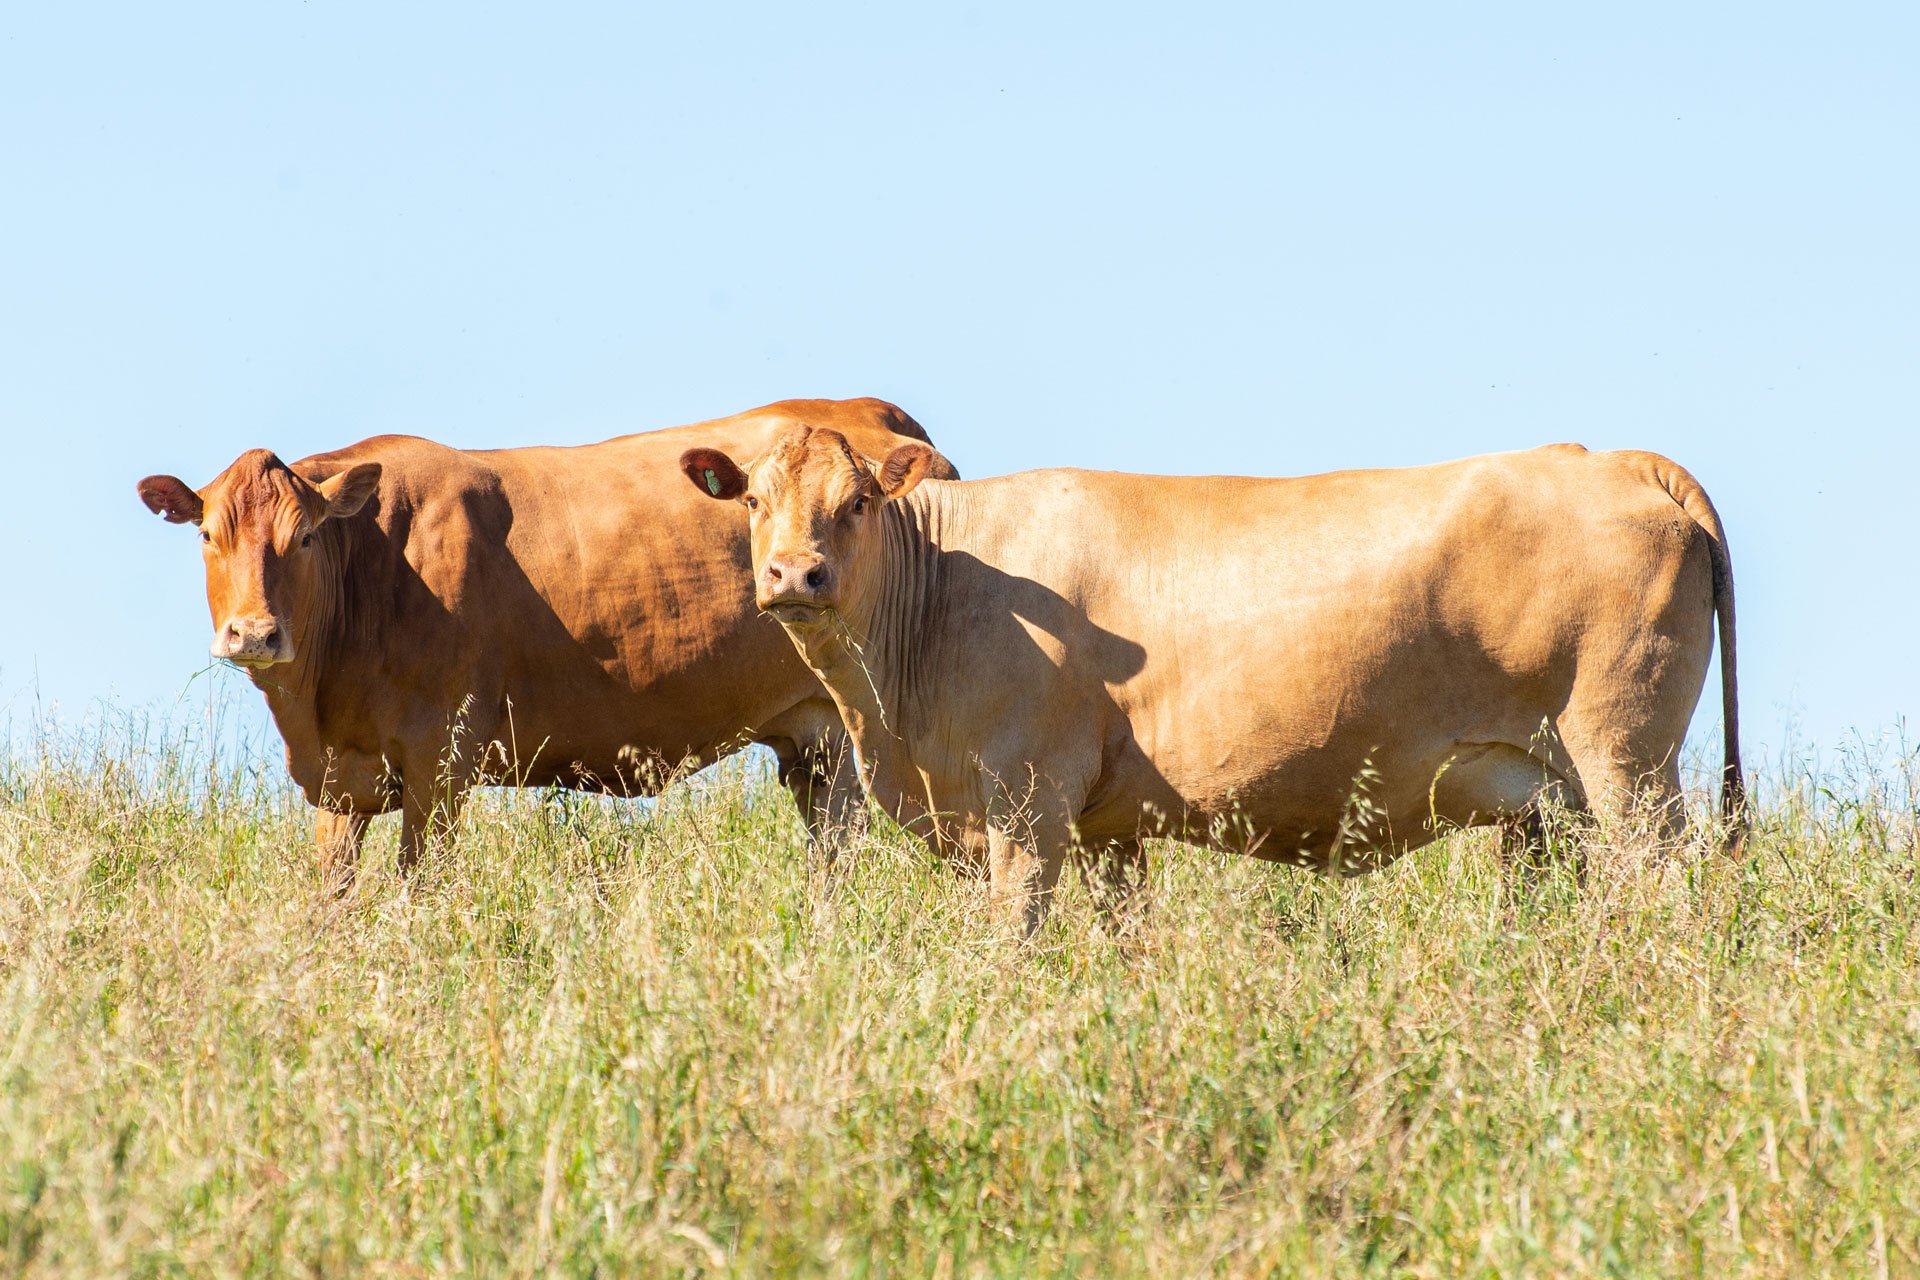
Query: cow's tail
{"type": "Point", "coordinates": [1693, 499]}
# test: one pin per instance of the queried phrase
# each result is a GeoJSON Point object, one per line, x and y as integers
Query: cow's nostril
{"type": "Point", "coordinates": [815, 577]}
{"type": "Point", "coordinates": [272, 639]}
{"type": "Point", "coordinates": [773, 573]}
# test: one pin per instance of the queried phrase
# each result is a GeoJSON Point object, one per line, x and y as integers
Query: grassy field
{"type": "Point", "coordinates": [631, 1040]}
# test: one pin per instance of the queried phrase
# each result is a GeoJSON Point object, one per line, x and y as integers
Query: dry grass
{"type": "Point", "coordinates": [630, 1040]}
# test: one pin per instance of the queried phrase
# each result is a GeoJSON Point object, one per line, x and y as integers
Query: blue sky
{"type": "Point", "coordinates": [1269, 239]}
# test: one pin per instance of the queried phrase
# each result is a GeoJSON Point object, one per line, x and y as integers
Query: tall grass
{"type": "Point", "coordinates": [633, 1040]}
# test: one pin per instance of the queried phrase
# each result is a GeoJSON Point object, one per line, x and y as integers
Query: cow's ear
{"type": "Point", "coordinates": [347, 492]}
{"type": "Point", "coordinates": [169, 498]}
{"type": "Point", "coordinates": [713, 473]}
{"type": "Point", "coordinates": [904, 469]}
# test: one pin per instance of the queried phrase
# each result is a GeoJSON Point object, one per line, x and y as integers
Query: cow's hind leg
{"type": "Point", "coordinates": [826, 788]}
{"type": "Point", "coordinates": [434, 788]}
{"type": "Point", "coordinates": [1509, 787]}
{"type": "Point", "coordinates": [427, 820]}
{"type": "Point", "coordinates": [1115, 873]}
{"type": "Point", "coordinates": [1634, 793]}
{"type": "Point", "coordinates": [1527, 847]}
{"type": "Point", "coordinates": [1627, 715]}
{"type": "Point", "coordinates": [336, 845]}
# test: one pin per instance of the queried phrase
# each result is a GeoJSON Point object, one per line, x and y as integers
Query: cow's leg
{"type": "Point", "coordinates": [1505, 785]}
{"type": "Point", "coordinates": [797, 775]}
{"type": "Point", "coordinates": [435, 781]}
{"type": "Point", "coordinates": [1666, 799]}
{"type": "Point", "coordinates": [1023, 869]}
{"type": "Point", "coordinates": [1115, 872]}
{"type": "Point", "coordinates": [1626, 752]}
{"type": "Point", "coordinates": [1028, 840]}
{"type": "Point", "coordinates": [336, 846]}
{"type": "Point", "coordinates": [1631, 794]}
{"type": "Point", "coordinates": [427, 820]}
{"type": "Point", "coordinates": [826, 788]}
{"type": "Point", "coordinates": [1627, 714]}
{"type": "Point", "coordinates": [844, 814]}
{"type": "Point", "coordinates": [1524, 851]}
{"type": "Point", "coordinates": [962, 846]}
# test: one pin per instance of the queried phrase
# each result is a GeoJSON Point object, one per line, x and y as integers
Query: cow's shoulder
{"type": "Point", "coordinates": [410, 465]}
{"type": "Point", "coordinates": [874, 427]}
{"type": "Point", "coordinates": [862, 413]}
{"type": "Point", "coordinates": [435, 503]}
{"type": "Point", "coordinates": [409, 453]}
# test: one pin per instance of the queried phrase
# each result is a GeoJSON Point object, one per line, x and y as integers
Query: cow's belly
{"type": "Point", "coordinates": [1314, 783]}
{"type": "Point", "coordinates": [630, 736]}
{"type": "Point", "coordinates": [626, 760]}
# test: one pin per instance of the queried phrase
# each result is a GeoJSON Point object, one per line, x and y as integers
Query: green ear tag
{"type": "Point", "coordinates": [713, 482]}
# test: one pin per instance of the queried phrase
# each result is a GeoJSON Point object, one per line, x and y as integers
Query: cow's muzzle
{"type": "Point", "coordinates": [794, 586]}
{"type": "Point", "coordinates": [253, 642]}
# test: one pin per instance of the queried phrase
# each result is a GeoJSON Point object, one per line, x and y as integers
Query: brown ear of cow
{"type": "Point", "coordinates": [713, 473]}
{"type": "Point", "coordinates": [904, 469]}
{"type": "Point", "coordinates": [169, 498]}
{"type": "Point", "coordinates": [347, 492]}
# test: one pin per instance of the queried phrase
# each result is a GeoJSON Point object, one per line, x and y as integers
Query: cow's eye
{"type": "Point", "coordinates": [860, 505]}
{"type": "Point", "coordinates": [753, 503]}
{"type": "Point", "coordinates": [306, 539]}
{"type": "Point", "coordinates": [205, 536]}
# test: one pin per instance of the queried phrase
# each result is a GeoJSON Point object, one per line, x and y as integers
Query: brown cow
{"type": "Point", "coordinates": [1328, 671]}
{"type": "Point", "coordinates": [422, 619]}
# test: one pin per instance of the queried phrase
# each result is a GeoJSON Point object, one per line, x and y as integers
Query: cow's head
{"type": "Point", "coordinates": [257, 534]}
{"type": "Point", "coordinates": [811, 502]}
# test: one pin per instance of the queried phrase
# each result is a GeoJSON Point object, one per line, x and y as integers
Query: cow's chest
{"type": "Point", "coordinates": [336, 760]}
{"type": "Point", "coordinates": [349, 779]}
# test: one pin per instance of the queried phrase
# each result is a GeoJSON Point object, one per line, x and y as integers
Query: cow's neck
{"type": "Point", "coordinates": [296, 693]}
{"type": "Point", "coordinates": [872, 659]}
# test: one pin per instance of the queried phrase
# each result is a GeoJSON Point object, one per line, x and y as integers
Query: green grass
{"type": "Point", "coordinates": [632, 1041]}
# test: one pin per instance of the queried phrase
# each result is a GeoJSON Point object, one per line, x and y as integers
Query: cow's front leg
{"type": "Point", "coordinates": [336, 847]}
{"type": "Point", "coordinates": [1026, 847]}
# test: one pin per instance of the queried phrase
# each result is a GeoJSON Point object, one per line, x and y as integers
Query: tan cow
{"type": "Point", "coordinates": [1328, 671]}
{"type": "Point", "coordinates": [422, 619]}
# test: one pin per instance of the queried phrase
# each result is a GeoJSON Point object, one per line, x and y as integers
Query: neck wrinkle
{"type": "Point", "coordinates": [326, 616]}
{"type": "Point", "coordinates": [872, 668]}
{"type": "Point", "coordinates": [897, 625]}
